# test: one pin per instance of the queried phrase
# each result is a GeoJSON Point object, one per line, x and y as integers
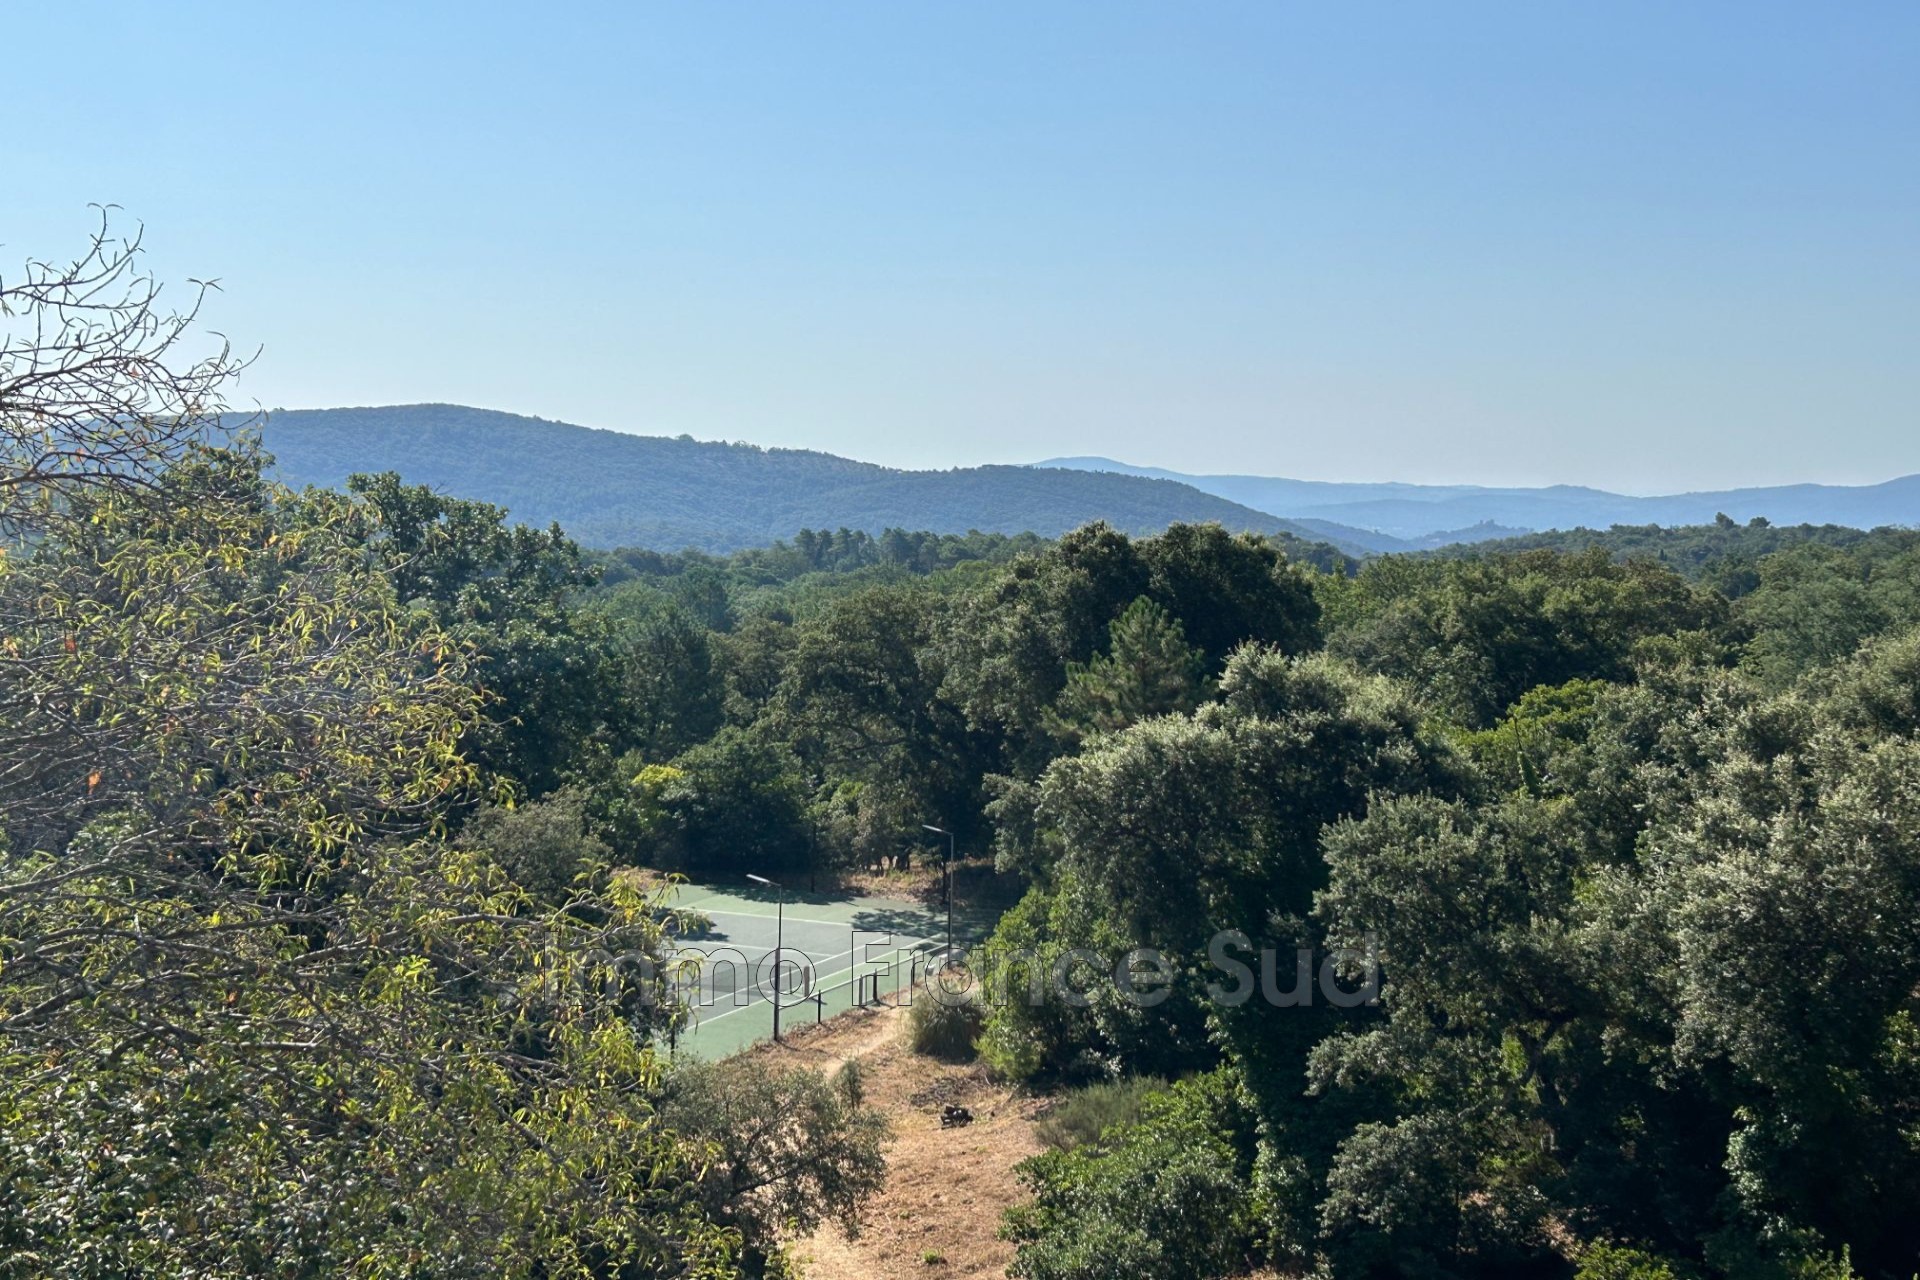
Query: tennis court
{"type": "Point", "coordinates": [836, 951]}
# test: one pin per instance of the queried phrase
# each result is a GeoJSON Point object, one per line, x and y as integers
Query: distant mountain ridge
{"type": "Point", "coordinates": [1423, 512]}
{"type": "Point", "coordinates": [609, 488]}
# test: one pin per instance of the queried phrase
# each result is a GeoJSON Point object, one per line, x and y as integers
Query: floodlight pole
{"type": "Point", "coordinates": [779, 936]}
{"type": "Point", "coordinates": [942, 831]}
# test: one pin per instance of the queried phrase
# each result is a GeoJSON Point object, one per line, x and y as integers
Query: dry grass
{"type": "Point", "coordinates": [643, 879]}
{"type": "Point", "coordinates": [945, 1188]}
{"type": "Point", "coordinates": [939, 1216]}
{"type": "Point", "coordinates": [976, 885]}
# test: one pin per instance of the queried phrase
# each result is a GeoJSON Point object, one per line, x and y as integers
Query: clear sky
{"type": "Point", "coordinates": [1645, 246]}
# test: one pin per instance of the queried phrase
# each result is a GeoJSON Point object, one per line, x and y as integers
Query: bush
{"type": "Point", "coordinates": [944, 1029]}
{"type": "Point", "coordinates": [1617, 1262]}
{"type": "Point", "coordinates": [543, 846]}
{"type": "Point", "coordinates": [1787, 1255]}
{"type": "Point", "coordinates": [785, 1150]}
{"type": "Point", "coordinates": [1084, 1114]}
{"type": "Point", "coordinates": [1165, 1197]}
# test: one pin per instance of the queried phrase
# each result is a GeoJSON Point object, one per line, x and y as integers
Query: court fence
{"type": "Point", "coordinates": [718, 1031]}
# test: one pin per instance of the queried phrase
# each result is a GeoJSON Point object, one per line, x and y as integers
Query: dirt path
{"type": "Point", "coordinates": [939, 1214]}
{"type": "Point", "coordinates": [867, 1036]}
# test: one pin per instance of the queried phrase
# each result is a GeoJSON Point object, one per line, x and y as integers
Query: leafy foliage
{"type": "Point", "coordinates": [944, 1028]}
{"type": "Point", "coordinates": [545, 847]}
{"type": "Point", "coordinates": [320, 954]}
{"type": "Point", "coordinates": [256, 1018]}
{"type": "Point", "coordinates": [265, 1008]}
{"type": "Point", "coordinates": [1148, 670]}
{"type": "Point", "coordinates": [1079, 1119]}
{"type": "Point", "coordinates": [1480, 633]}
{"type": "Point", "coordinates": [784, 1150]}
{"type": "Point", "coordinates": [1164, 1197]}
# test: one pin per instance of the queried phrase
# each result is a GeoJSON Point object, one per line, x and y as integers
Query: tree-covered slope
{"type": "Point", "coordinates": [608, 488]}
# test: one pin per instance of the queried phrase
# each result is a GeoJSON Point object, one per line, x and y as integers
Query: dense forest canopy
{"type": "Point", "coordinates": [320, 951]}
{"type": "Point", "coordinates": [1560, 791]}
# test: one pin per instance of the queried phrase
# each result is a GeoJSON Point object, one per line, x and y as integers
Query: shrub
{"type": "Point", "coordinates": [1165, 1197]}
{"type": "Point", "coordinates": [543, 846]}
{"type": "Point", "coordinates": [944, 1028]}
{"type": "Point", "coordinates": [1617, 1262]}
{"type": "Point", "coordinates": [785, 1149]}
{"type": "Point", "coordinates": [1084, 1114]}
{"type": "Point", "coordinates": [1787, 1255]}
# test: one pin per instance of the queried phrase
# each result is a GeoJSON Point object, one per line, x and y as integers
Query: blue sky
{"type": "Point", "coordinates": [1648, 247]}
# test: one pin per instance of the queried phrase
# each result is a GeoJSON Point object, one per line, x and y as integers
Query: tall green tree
{"type": "Point", "coordinates": [257, 1016]}
{"type": "Point", "coordinates": [1148, 670]}
{"type": "Point", "coordinates": [254, 1017]}
{"type": "Point", "coordinates": [506, 591]}
{"type": "Point", "coordinates": [733, 804]}
{"type": "Point", "coordinates": [861, 702]}
{"type": "Point", "coordinates": [1227, 590]}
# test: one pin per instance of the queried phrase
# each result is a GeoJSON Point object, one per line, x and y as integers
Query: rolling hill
{"type": "Point", "coordinates": [608, 488]}
{"type": "Point", "coordinates": [1420, 513]}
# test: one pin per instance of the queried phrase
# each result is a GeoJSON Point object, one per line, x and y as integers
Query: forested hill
{"type": "Point", "coordinates": [608, 488]}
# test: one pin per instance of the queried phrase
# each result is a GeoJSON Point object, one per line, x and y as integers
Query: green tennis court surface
{"type": "Point", "coordinates": [835, 951]}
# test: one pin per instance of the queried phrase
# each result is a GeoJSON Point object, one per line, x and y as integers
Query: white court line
{"type": "Point", "coordinates": [753, 956]}
{"type": "Point", "coordinates": [853, 962]}
{"type": "Point", "coordinates": [755, 915]}
{"type": "Point", "coordinates": [755, 1004]}
{"type": "Point", "coordinates": [754, 953]}
{"type": "Point", "coordinates": [890, 940]}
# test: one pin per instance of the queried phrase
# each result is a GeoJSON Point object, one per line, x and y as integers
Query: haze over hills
{"type": "Point", "coordinates": [1420, 512]}
{"type": "Point", "coordinates": [609, 488]}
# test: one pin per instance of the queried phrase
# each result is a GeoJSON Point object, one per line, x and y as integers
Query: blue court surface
{"type": "Point", "coordinates": [836, 951]}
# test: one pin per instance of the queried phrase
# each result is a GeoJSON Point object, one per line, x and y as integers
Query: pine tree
{"type": "Point", "coordinates": [1149, 669]}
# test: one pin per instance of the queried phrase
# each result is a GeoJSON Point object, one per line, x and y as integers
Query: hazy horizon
{"type": "Point", "coordinates": [1642, 249]}
{"type": "Point", "coordinates": [1125, 462]}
